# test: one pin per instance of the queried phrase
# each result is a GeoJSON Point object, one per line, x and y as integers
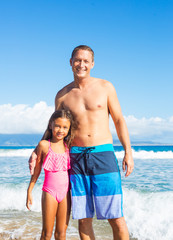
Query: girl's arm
{"type": "Point", "coordinates": [35, 176]}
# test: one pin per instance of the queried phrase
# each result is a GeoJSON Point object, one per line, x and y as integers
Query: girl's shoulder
{"type": "Point", "coordinates": [43, 145]}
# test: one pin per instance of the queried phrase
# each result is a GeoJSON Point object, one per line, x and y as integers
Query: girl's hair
{"type": "Point", "coordinates": [61, 114]}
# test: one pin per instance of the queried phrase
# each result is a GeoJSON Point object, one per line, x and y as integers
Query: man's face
{"type": "Point", "coordinates": [82, 63]}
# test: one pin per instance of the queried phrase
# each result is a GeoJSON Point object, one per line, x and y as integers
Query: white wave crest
{"type": "Point", "coordinates": [14, 198]}
{"type": "Point", "coordinates": [16, 152]}
{"type": "Point", "coordinates": [142, 154]}
{"type": "Point", "coordinates": [149, 215]}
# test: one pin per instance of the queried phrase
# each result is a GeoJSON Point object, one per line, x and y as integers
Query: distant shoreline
{"type": "Point", "coordinates": [31, 140]}
{"type": "Point", "coordinates": [115, 145]}
{"type": "Point", "coordinates": [146, 144]}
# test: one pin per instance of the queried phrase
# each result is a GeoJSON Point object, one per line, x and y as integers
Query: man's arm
{"type": "Point", "coordinates": [33, 158]}
{"type": "Point", "coordinates": [58, 101]}
{"type": "Point", "coordinates": [34, 177]}
{"type": "Point", "coordinates": [121, 128]}
{"type": "Point", "coordinates": [32, 161]}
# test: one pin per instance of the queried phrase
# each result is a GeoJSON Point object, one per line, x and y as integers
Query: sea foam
{"type": "Point", "coordinates": [141, 154]}
{"type": "Point", "coordinates": [149, 215]}
{"type": "Point", "coordinates": [14, 197]}
{"type": "Point", "coordinates": [16, 152]}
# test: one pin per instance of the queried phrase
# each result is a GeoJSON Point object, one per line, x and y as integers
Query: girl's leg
{"type": "Point", "coordinates": [49, 209]}
{"type": "Point", "coordinates": [62, 217]}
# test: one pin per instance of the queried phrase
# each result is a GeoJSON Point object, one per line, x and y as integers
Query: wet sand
{"type": "Point", "coordinates": [27, 226]}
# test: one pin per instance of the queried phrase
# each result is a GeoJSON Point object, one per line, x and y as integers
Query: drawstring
{"type": "Point", "coordinates": [85, 152]}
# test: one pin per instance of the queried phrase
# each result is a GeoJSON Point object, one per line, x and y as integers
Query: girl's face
{"type": "Point", "coordinates": [60, 128]}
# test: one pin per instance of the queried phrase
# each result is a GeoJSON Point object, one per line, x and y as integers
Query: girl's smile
{"type": "Point", "coordinates": [60, 128]}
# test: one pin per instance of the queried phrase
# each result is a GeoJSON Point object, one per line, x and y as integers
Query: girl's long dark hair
{"type": "Point", "coordinates": [61, 114]}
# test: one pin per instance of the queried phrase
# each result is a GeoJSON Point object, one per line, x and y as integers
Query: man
{"type": "Point", "coordinates": [95, 177]}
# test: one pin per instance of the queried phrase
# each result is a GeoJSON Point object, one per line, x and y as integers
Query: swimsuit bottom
{"type": "Point", "coordinates": [95, 179]}
{"type": "Point", "coordinates": [56, 184]}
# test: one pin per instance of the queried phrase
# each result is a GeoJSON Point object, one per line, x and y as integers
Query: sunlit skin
{"type": "Point", "coordinates": [81, 64]}
{"type": "Point", "coordinates": [51, 209]}
{"type": "Point", "coordinates": [92, 100]}
{"type": "Point", "coordinates": [60, 128]}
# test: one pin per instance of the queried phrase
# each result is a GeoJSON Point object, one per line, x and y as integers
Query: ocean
{"type": "Point", "coordinates": [147, 194]}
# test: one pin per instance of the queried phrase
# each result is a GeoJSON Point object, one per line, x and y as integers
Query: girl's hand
{"type": "Point", "coordinates": [29, 200]}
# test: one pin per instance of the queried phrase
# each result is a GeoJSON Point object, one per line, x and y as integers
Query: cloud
{"type": "Point", "coordinates": [154, 129]}
{"type": "Point", "coordinates": [23, 118]}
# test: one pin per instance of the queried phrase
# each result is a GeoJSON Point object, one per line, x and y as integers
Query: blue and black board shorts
{"type": "Point", "coordinates": [95, 182]}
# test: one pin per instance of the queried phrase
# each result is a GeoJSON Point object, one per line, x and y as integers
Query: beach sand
{"type": "Point", "coordinates": [4, 236]}
{"type": "Point", "coordinates": [28, 227]}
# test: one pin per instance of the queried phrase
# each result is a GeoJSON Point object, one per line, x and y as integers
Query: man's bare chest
{"type": "Point", "coordinates": [86, 102]}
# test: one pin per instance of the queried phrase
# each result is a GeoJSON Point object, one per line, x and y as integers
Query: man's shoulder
{"type": "Point", "coordinates": [65, 90]}
{"type": "Point", "coordinates": [105, 83]}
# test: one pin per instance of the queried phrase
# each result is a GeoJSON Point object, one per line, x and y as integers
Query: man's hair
{"type": "Point", "coordinates": [82, 47]}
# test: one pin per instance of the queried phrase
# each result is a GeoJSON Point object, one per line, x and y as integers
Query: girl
{"type": "Point", "coordinates": [53, 154]}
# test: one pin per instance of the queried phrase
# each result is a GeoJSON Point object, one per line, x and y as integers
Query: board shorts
{"type": "Point", "coordinates": [95, 183]}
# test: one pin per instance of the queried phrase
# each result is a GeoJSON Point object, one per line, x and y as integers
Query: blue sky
{"type": "Point", "coordinates": [132, 41]}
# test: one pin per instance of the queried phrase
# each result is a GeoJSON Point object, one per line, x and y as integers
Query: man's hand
{"type": "Point", "coordinates": [128, 164]}
{"type": "Point", "coordinates": [32, 162]}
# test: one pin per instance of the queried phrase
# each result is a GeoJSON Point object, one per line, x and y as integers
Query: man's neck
{"type": "Point", "coordinates": [82, 82]}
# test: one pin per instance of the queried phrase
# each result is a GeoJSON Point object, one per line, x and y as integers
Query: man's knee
{"type": "Point", "coordinates": [85, 222]}
{"type": "Point", "coordinates": [119, 228]}
{"type": "Point", "coordinates": [85, 229]}
{"type": "Point", "coordinates": [118, 224]}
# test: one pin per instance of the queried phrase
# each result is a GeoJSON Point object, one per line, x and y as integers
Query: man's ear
{"type": "Point", "coordinates": [92, 64]}
{"type": "Point", "coordinates": [70, 61]}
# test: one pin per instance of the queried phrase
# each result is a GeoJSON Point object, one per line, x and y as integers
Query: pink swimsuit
{"type": "Point", "coordinates": [56, 181]}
